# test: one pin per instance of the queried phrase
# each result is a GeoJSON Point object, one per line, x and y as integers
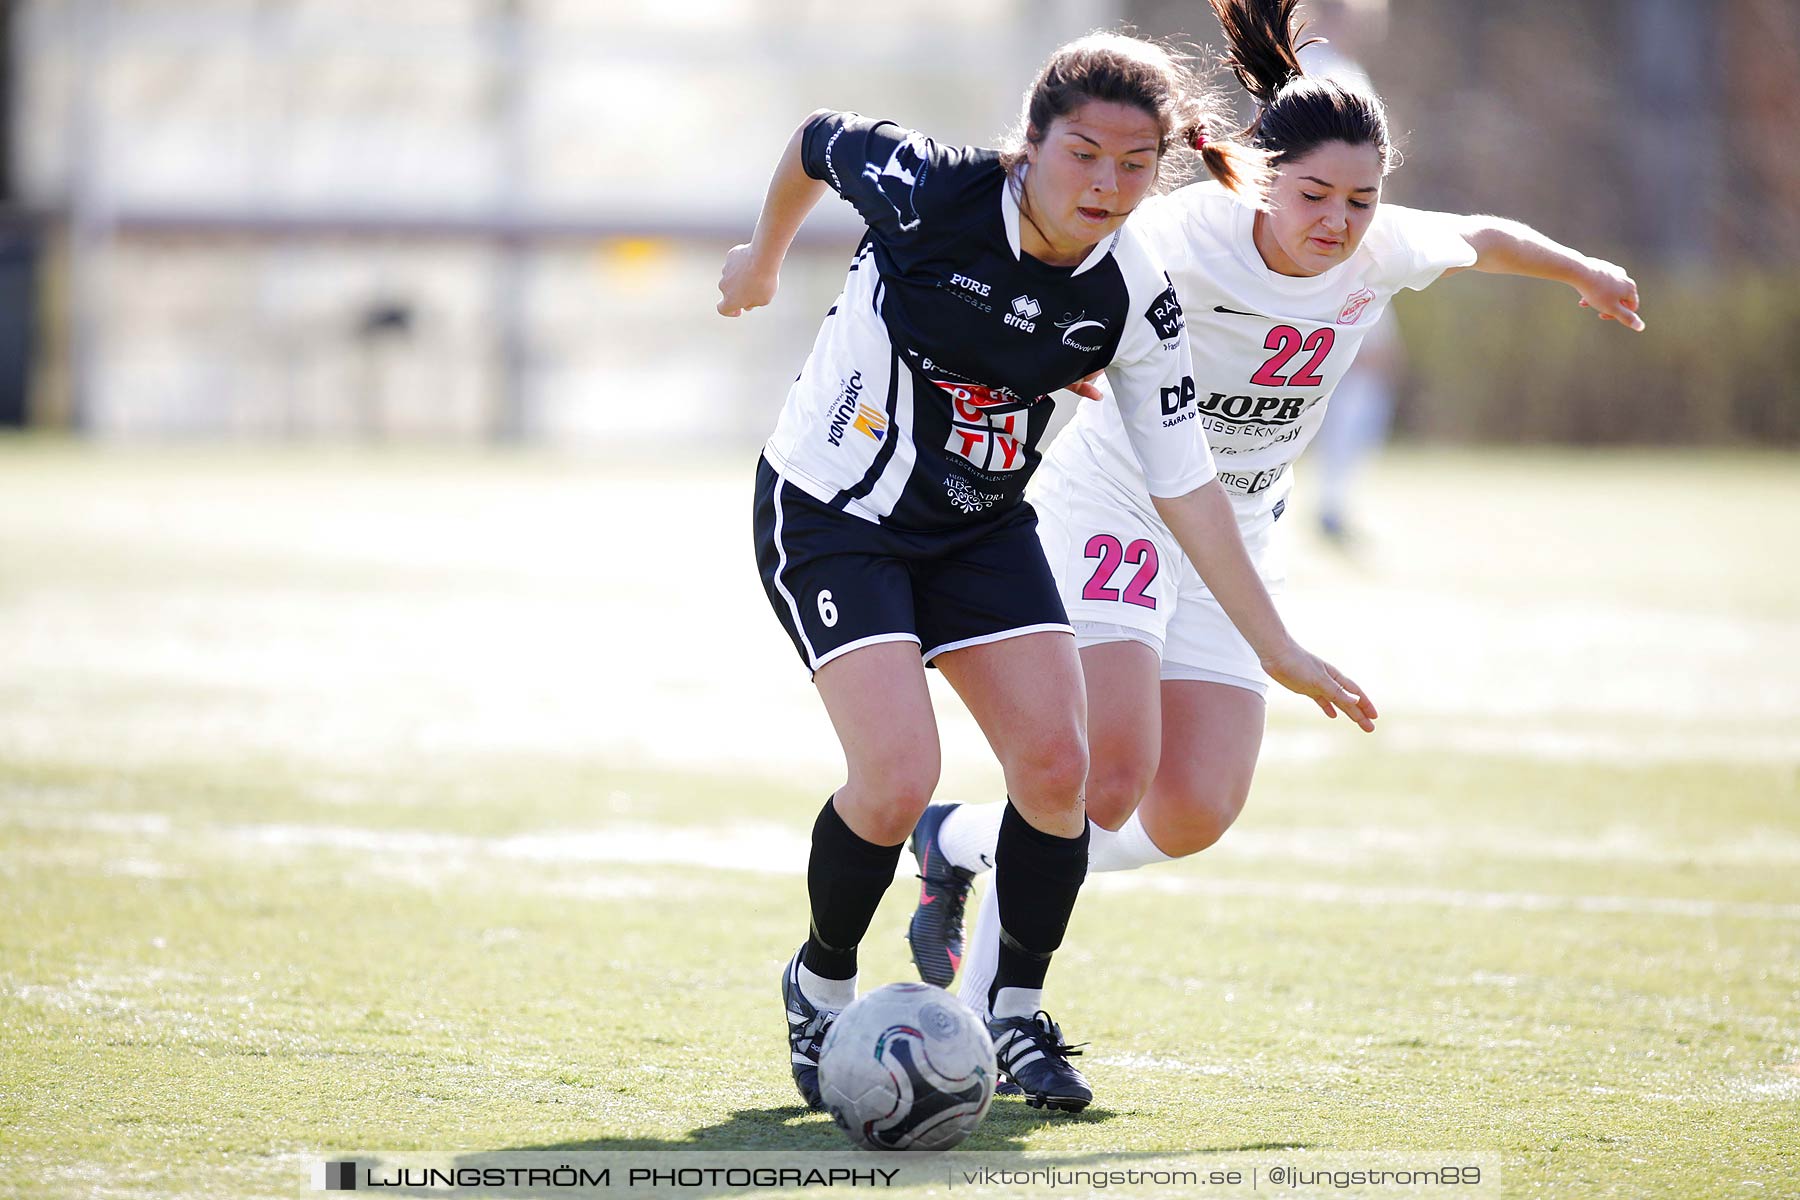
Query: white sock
{"type": "Point", "coordinates": [981, 955]}
{"type": "Point", "coordinates": [1125, 850]}
{"type": "Point", "coordinates": [968, 836]}
{"type": "Point", "coordinates": [1018, 1002]}
{"type": "Point", "coordinates": [833, 994]}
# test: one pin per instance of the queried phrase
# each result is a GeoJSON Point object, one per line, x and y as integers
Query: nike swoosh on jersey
{"type": "Point", "coordinates": [1238, 312]}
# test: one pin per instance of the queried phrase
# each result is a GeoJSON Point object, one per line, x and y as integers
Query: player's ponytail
{"type": "Point", "coordinates": [1155, 78]}
{"type": "Point", "coordinates": [1295, 111]}
{"type": "Point", "coordinates": [1243, 169]}
{"type": "Point", "coordinates": [1261, 34]}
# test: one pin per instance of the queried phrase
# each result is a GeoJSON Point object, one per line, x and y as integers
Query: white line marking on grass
{"type": "Point", "coordinates": [770, 849]}
{"type": "Point", "coordinates": [1333, 893]}
{"type": "Point", "coordinates": [1342, 845]}
{"type": "Point", "coordinates": [782, 850]}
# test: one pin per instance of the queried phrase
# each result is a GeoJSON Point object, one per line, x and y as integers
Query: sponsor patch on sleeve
{"type": "Point", "coordinates": [1164, 313]}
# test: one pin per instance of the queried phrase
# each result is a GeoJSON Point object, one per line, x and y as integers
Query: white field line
{"type": "Point", "coordinates": [781, 850]}
{"type": "Point", "coordinates": [1332, 893]}
{"type": "Point", "coordinates": [759, 848]}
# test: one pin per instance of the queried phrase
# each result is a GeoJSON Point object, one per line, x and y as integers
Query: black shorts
{"type": "Point", "coordinates": [839, 583]}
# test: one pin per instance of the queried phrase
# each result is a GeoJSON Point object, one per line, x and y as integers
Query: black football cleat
{"type": "Point", "coordinates": [807, 1026]}
{"type": "Point", "coordinates": [936, 932]}
{"type": "Point", "coordinates": [1031, 1053]}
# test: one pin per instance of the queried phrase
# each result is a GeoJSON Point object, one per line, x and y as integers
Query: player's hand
{"type": "Point", "coordinates": [1088, 386]}
{"type": "Point", "coordinates": [1611, 293]}
{"type": "Point", "coordinates": [1309, 675]}
{"type": "Point", "coordinates": [745, 283]}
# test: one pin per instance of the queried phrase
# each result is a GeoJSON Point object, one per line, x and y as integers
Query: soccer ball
{"type": "Point", "coordinates": [907, 1067]}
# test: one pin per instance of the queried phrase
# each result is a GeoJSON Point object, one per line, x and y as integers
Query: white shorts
{"type": "Point", "coordinates": [1123, 578]}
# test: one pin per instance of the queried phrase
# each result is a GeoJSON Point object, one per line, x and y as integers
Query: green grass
{"type": "Point", "coordinates": [314, 770]}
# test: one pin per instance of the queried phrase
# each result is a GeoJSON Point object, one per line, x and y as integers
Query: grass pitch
{"type": "Point", "coordinates": [451, 802]}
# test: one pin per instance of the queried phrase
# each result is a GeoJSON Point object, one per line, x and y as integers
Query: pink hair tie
{"type": "Point", "coordinates": [1198, 141]}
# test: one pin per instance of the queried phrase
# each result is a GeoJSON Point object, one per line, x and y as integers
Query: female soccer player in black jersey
{"type": "Point", "coordinates": [890, 529]}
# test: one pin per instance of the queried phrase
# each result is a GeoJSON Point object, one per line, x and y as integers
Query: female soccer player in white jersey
{"type": "Point", "coordinates": [889, 520]}
{"type": "Point", "coordinates": [1277, 301]}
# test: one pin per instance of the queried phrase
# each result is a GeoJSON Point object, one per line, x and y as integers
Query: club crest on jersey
{"type": "Point", "coordinates": [1353, 308]}
{"type": "Point", "coordinates": [1164, 313]}
{"type": "Point", "coordinates": [1079, 333]}
{"type": "Point", "coordinates": [1024, 314]}
{"type": "Point", "coordinates": [900, 178]}
{"type": "Point", "coordinates": [988, 425]}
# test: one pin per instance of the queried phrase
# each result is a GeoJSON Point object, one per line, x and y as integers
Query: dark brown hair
{"type": "Point", "coordinates": [1296, 111]}
{"type": "Point", "coordinates": [1155, 78]}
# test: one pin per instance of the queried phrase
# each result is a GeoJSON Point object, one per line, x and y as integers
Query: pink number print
{"type": "Point", "coordinates": [1140, 554]}
{"type": "Point", "coordinates": [1286, 341]}
{"type": "Point", "coordinates": [1319, 342]}
{"type": "Point", "coordinates": [1106, 548]}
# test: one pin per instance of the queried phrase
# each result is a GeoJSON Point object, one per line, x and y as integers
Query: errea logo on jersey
{"type": "Point", "coordinates": [1024, 314]}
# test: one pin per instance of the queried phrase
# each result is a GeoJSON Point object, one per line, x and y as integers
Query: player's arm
{"type": "Point", "coordinates": [1154, 362]}
{"type": "Point", "coordinates": [1207, 530]}
{"type": "Point", "coordinates": [1504, 247]}
{"type": "Point", "coordinates": [752, 271]}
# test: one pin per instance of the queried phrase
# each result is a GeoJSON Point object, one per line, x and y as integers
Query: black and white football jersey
{"type": "Point", "coordinates": [926, 393]}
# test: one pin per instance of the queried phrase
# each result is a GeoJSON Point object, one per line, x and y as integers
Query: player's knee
{"type": "Point", "coordinates": [1116, 781]}
{"type": "Point", "coordinates": [1199, 820]}
{"type": "Point", "coordinates": [897, 783]}
{"type": "Point", "coordinates": [1050, 771]}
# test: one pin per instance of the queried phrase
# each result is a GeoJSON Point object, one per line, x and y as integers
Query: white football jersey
{"type": "Point", "coordinates": [1268, 349]}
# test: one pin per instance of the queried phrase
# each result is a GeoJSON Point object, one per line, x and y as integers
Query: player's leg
{"type": "Point", "coordinates": [1124, 700]}
{"type": "Point", "coordinates": [879, 705]}
{"type": "Point", "coordinates": [991, 620]}
{"type": "Point", "coordinates": [1026, 695]}
{"type": "Point", "coordinates": [1115, 571]}
{"type": "Point", "coordinates": [846, 601]}
{"type": "Point", "coordinates": [1213, 691]}
{"type": "Point", "coordinates": [1124, 717]}
{"type": "Point", "coordinates": [1212, 735]}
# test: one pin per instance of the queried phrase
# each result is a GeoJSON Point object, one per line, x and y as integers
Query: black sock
{"type": "Point", "coordinates": [1037, 876]}
{"type": "Point", "coordinates": [845, 879]}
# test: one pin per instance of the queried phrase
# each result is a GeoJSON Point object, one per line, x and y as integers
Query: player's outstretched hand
{"type": "Point", "coordinates": [1309, 675]}
{"type": "Point", "coordinates": [1611, 293]}
{"type": "Point", "coordinates": [744, 283]}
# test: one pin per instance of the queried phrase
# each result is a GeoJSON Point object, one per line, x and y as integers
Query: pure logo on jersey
{"type": "Point", "coordinates": [900, 179]}
{"type": "Point", "coordinates": [848, 405]}
{"type": "Point", "coordinates": [1081, 333]}
{"type": "Point", "coordinates": [988, 426]}
{"type": "Point", "coordinates": [1353, 308]}
{"type": "Point", "coordinates": [970, 291]}
{"type": "Point", "coordinates": [1024, 314]}
{"type": "Point", "coordinates": [1164, 314]}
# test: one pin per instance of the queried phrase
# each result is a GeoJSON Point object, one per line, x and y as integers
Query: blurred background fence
{"type": "Point", "coordinates": [501, 220]}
